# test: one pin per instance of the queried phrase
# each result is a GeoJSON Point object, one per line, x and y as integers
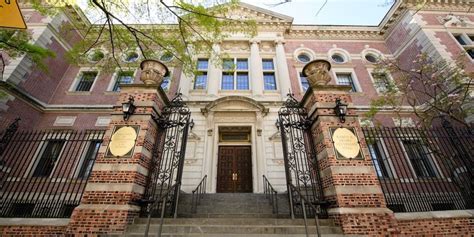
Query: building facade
{"type": "Point", "coordinates": [235, 106]}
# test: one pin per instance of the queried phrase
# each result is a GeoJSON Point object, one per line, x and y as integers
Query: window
{"type": "Point", "coordinates": [371, 58]}
{"type": "Point", "coordinates": [380, 160]}
{"type": "Point", "coordinates": [269, 79]}
{"type": "Point", "coordinates": [200, 81]}
{"type": "Point", "coordinates": [346, 79]}
{"type": "Point", "coordinates": [48, 158]}
{"type": "Point", "coordinates": [338, 58]}
{"type": "Point", "coordinates": [466, 41]}
{"type": "Point", "coordinates": [131, 56]}
{"type": "Point", "coordinates": [382, 82]}
{"type": "Point", "coordinates": [165, 85]}
{"type": "Point", "coordinates": [89, 159]}
{"type": "Point", "coordinates": [304, 82]}
{"type": "Point", "coordinates": [85, 81]}
{"type": "Point", "coordinates": [304, 58]}
{"type": "Point", "coordinates": [123, 77]}
{"type": "Point", "coordinates": [166, 57]}
{"type": "Point", "coordinates": [420, 158]}
{"type": "Point", "coordinates": [235, 74]}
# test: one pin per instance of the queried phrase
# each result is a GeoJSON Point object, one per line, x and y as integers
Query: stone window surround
{"type": "Point", "coordinates": [432, 161]}
{"type": "Point", "coordinates": [235, 71]}
{"type": "Point", "coordinates": [371, 51]}
{"type": "Point", "coordinates": [387, 162]}
{"type": "Point", "coordinates": [387, 74]}
{"type": "Point", "coordinates": [298, 71]}
{"type": "Point", "coordinates": [110, 87]}
{"type": "Point", "coordinates": [72, 88]}
{"type": "Point", "coordinates": [303, 50]}
{"type": "Point", "coordinates": [464, 33]}
{"type": "Point", "coordinates": [170, 76]}
{"type": "Point", "coordinates": [355, 80]}
{"type": "Point", "coordinates": [342, 52]}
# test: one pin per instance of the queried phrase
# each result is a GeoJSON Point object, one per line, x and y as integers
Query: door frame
{"type": "Point", "coordinates": [258, 166]}
{"type": "Point", "coordinates": [238, 145]}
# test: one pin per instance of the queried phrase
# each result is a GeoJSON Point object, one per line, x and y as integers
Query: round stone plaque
{"type": "Point", "coordinates": [122, 141]}
{"type": "Point", "coordinates": [346, 143]}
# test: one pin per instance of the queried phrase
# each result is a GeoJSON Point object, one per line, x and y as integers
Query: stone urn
{"type": "Point", "coordinates": [153, 72]}
{"type": "Point", "coordinates": [317, 72]}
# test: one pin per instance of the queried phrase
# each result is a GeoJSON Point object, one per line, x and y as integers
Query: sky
{"type": "Point", "coordinates": [333, 12]}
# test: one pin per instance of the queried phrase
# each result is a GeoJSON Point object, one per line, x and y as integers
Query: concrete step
{"type": "Point", "coordinates": [233, 221]}
{"type": "Point", "coordinates": [233, 205]}
{"type": "Point", "coordinates": [232, 229]}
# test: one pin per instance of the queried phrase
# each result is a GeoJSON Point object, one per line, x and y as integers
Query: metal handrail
{"type": "Point", "coordinates": [162, 199]}
{"type": "Point", "coordinates": [291, 187]}
{"type": "Point", "coordinates": [270, 194]}
{"type": "Point", "coordinates": [198, 194]}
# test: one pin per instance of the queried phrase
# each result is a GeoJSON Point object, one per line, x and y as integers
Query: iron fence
{"type": "Point", "coordinates": [423, 169]}
{"type": "Point", "coordinates": [44, 173]}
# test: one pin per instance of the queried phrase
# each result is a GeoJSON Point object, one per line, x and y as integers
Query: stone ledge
{"type": "Point", "coordinates": [108, 207]}
{"type": "Point", "coordinates": [115, 187]}
{"type": "Point", "coordinates": [332, 170]}
{"type": "Point", "coordinates": [352, 189]}
{"type": "Point", "coordinates": [121, 167]}
{"type": "Point", "coordinates": [434, 215]}
{"type": "Point", "coordinates": [359, 210]}
{"type": "Point", "coordinates": [34, 221]}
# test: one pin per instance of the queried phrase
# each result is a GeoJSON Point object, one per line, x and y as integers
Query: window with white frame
{"type": "Point", "coordinates": [123, 77]}
{"type": "Point", "coordinates": [403, 122]}
{"type": "Point", "coordinates": [269, 79]}
{"type": "Point", "coordinates": [420, 157]}
{"type": "Point", "coordinates": [382, 82]}
{"type": "Point", "coordinates": [235, 74]}
{"type": "Point", "coordinates": [380, 159]}
{"type": "Point", "coordinates": [346, 79]}
{"type": "Point", "coordinates": [165, 85]}
{"type": "Point", "coordinates": [304, 82]}
{"type": "Point", "coordinates": [467, 42]}
{"type": "Point", "coordinates": [200, 81]}
{"type": "Point", "coordinates": [48, 157]}
{"type": "Point", "coordinates": [89, 159]}
{"type": "Point", "coordinates": [85, 81]}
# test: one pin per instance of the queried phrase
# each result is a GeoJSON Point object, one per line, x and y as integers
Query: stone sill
{"type": "Point", "coordinates": [78, 93]}
{"type": "Point", "coordinates": [34, 221]}
{"type": "Point", "coordinates": [434, 215]}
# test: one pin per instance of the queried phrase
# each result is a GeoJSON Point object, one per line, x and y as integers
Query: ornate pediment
{"type": "Point", "coordinates": [249, 12]}
{"type": "Point", "coordinates": [235, 104]}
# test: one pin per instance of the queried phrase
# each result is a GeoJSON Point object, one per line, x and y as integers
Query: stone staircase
{"type": "Point", "coordinates": [242, 214]}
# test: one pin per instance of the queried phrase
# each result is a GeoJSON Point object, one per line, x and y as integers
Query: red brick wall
{"type": "Point", "coordinates": [32, 231]}
{"type": "Point", "coordinates": [42, 84]}
{"type": "Point", "coordinates": [437, 227]}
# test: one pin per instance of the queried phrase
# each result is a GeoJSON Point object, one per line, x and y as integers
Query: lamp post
{"type": "Point", "coordinates": [340, 110]}
{"type": "Point", "coordinates": [128, 108]}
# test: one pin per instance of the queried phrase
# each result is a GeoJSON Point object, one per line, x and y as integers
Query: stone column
{"type": "Point", "coordinates": [109, 202]}
{"type": "Point", "coordinates": [209, 150]}
{"type": "Point", "coordinates": [351, 186]}
{"type": "Point", "coordinates": [283, 74]}
{"type": "Point", "coordinates": [256, 70]}
{"type": "Point", "coordinates": [214, 73]}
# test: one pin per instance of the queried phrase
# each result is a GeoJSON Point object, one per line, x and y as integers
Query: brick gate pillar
{"type": "Point", "coordinates": [117, 182]}
{"type": "Point", "coordinates": [351, 186]}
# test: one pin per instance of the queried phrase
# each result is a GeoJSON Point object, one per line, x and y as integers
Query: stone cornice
{"type": "Point", "coordinates": [334, 32]}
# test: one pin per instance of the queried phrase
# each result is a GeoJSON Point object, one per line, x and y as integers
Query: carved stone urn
{"type": "Point", "coordinates": [317, 72]}
{"type": "Point", "coordinates": [153, 72]}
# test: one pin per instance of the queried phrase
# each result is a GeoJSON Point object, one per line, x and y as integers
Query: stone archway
{"type": "Point", "coordinates": [233, 111]}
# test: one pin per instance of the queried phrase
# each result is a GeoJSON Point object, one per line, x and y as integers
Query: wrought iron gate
{"type": "Point", "coordinates": [166, 170]}
{"type": "Point", "coordinates": [301, 166]}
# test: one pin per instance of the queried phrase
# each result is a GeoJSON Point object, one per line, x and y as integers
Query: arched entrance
{"type": "Point", "coordinates": [234, 145]}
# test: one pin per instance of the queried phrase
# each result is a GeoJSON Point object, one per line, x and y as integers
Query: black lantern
{"type": "Point", "coordinates": [128, 108]}
{"type": "Point", "coordinates": [340, 110]}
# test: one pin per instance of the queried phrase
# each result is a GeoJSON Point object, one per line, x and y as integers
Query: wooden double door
{"type": "Point", "coordinates": [234, 169]}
